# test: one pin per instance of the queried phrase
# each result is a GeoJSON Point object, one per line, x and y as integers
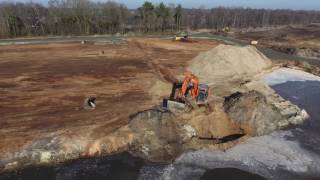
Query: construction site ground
{"type": "Point", "coordinates": [43, 86]}
{"type": "Point", "coordinates": [302, 41]}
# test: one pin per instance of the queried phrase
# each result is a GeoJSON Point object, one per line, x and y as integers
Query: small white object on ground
{"type": "Point", "coordinates": [254, 42]}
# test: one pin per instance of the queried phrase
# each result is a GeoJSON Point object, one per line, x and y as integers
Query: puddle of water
{"type": "Point", "coordinates": [230, 174]}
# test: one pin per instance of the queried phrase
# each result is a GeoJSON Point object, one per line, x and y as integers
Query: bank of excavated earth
{"type": "Point", "coordinates": [242, 106]}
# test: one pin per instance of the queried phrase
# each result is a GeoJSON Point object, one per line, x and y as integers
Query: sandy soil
{"type": "Point", "coordinates": [43, 86]}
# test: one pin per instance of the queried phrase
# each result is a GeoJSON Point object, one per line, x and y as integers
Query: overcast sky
{"type": "Point", "coordinates": [270, 4]}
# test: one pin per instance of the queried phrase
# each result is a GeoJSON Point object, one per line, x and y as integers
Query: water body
{"type": "Point", "coordinates": [306, 95]}
{"type": "Point", "coordinates": [118, 167]}
{"type": "Point", "coordinates": [303, 90]}
{"type": "Point", "coordinates": [230, 174]}
{"type": "Point", "coordinates": [300, 88]}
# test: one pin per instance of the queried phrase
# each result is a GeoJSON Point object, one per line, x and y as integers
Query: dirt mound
{"type": "Point", "coordinates": [226, 61]}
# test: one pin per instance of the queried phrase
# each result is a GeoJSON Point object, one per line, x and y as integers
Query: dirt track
{"type": "Point", "coordinates": [43, 86]}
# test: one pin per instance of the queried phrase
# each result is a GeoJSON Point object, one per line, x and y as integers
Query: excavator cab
{"type": "Point", "coordinates": [202, 98]}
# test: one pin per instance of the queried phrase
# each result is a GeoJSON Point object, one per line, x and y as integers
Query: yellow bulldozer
{"type": "Point", "coordinates": [182, 37]}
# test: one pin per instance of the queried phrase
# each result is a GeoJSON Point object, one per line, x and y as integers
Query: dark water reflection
{"type": "Point", "coordinates": [306, 95]}
{"type": "Point", "coordinates": [230, 174]}
{"type": "Point", "coordinates": [118, 167]}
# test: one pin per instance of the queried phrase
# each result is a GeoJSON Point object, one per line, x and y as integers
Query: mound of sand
{"type": "Point", "coordinates": [226, 61]}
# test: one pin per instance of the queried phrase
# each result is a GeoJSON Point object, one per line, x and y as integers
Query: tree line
{"type": "Point", "coordinates": [85, 17]}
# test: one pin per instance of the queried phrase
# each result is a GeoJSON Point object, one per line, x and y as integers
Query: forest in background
{"type": "Point", "coordinates": [85, 17]}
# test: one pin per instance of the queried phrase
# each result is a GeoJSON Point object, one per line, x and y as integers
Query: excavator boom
{"type": "Point", "coordinates": [191, 83]}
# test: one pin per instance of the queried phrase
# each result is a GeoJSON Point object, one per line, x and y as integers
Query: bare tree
{"type": "Point", "coordinates": [178, 17]}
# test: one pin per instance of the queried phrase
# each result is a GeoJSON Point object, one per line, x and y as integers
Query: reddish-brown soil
{"type": "Point", "coordinates": [43, 87]}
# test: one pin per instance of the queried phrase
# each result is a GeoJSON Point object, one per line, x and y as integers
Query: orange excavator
{"type": "Point", "coordinates": [189, 93]}
{"type": "Point", "coordinates": [190, 83]}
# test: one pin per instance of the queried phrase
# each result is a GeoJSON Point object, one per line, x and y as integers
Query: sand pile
{"type": "Point", "coordinates": [226, 61]}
